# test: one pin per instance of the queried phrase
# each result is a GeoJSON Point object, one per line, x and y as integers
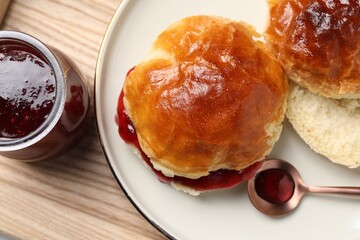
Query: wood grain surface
{"type": "Point", "coordinates": [74, 196]}
{"type": "Point", "coordinates": [3, 8]}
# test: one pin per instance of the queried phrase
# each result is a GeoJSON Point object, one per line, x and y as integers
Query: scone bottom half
{"type": "Point", "coordinates": [206, 105]}
{"type": "Point", "coordinates": [330, 127]}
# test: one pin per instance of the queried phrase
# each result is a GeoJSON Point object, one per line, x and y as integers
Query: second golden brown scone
{"type": "Point", "coordinates": [207, 97]}
{"type": "Point", "coordinates": [318, 43]}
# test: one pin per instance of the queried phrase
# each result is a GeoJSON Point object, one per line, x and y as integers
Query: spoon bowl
{"type": "Point", "coordinates": [277, 209]}
{"type": "Point", "coordinates": [277, 188]}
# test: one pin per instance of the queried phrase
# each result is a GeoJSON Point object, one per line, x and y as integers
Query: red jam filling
{"type": "Point", "coordinates": [75, 107]}
{"type": "Point", "coordinates": [27, 91]}
{"type": "Point", "coordinates": [222, 178]}
{"type": "Point", "coordinates": [274, 185]}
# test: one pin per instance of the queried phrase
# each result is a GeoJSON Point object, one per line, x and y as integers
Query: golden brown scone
{"type": "Point", "coordinates": [318, 43]}
{"type": "Point", "coordinates": [208, 96]}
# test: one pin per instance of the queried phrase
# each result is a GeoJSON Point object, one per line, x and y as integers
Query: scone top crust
{"type": "Point", "coordinates": [318, 42]}
{"type": "Point", "coordinates": [204, 96]}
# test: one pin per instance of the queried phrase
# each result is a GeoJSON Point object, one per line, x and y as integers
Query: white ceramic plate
{"type": "Point", "coordinates": [223, 214]}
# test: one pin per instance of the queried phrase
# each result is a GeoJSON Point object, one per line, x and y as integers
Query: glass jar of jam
{"type": "Point", "coordinates": [44, 100]}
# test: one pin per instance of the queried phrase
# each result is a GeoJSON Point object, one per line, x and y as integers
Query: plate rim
{"type": "Point", "coordinates": [101, 53]}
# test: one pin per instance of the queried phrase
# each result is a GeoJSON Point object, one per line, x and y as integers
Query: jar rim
{"type": "Point", "coordinates": [9, 144]}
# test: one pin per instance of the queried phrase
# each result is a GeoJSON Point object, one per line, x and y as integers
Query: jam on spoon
{"type": "Point", "coordinates": [274, 185]}
{"type": "Point", "coordinates": [277, 188]}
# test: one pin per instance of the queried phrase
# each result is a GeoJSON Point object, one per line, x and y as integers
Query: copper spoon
{"type": "Point", "coordinates": [289, 188]}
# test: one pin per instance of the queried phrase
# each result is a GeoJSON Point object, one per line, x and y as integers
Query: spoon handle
{"type": "Point", "coordinates": [335, 190]}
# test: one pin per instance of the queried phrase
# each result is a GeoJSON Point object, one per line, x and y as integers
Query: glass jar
{"type": "Point", "coordinates": [44, 100]}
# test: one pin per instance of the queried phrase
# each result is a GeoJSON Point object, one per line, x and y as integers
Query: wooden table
{"type": "Point", "coordinates": [75, 196]}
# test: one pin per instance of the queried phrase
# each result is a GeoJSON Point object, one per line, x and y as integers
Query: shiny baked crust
{"type": "Point", "coordinates": [208, 96]}
{"type": "Point", "coordinates": [318, 42]}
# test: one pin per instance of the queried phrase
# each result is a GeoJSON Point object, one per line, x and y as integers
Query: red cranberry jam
{"type": "Point", "coordinates": [274, 185]}
{"type": "Point", "coordinates": [44, 100]}
{"type": "Point", "coordinates": [27, 92]}
{"type": "Point", "coordinates": [222, 178]}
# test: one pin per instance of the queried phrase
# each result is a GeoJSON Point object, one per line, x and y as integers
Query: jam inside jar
{"type": "Point", "coordinates": [27, 92]}
{"type": "Point", "coordinates": [44, 100]}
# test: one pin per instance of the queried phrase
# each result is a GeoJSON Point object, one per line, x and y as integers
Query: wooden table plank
{"type": "Point", "coordinates": [3, 7]}
{"type": "Point", "coordinates": [75, 196]}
